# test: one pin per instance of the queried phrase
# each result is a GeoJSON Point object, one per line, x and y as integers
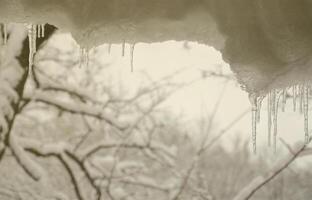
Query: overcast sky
{"type": "Point", "coordinates": [198, 99]}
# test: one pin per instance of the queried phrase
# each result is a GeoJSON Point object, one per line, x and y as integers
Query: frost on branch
{"type": "Point", "coordinates": [257, 183]}
{"type": "Point", "coordinates": [12, 76]}
{"type": "Point", "coordinates": [77, 108]}
{"type": "Point", "coordinates": [30, 166]}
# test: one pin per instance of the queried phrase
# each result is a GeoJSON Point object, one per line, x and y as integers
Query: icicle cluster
{"type": "Point", "coordinates": [84, 57]}
{"type": "Point", "coordinates": [123, 47]}
{"type": "Point", "coordinates": [4, 33]}
{"type": "Point", "coordinates": [34, 32]}
{"type": "Point", "coordinates": [40, 31]}
{"type": "Point", "coordinates": [276, 98]}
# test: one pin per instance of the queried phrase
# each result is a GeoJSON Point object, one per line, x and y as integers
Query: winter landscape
{"type": "Point", "coordinates": [155, 100]}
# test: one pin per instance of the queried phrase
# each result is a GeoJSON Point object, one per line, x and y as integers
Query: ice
{"type": "Point", "coordinates": [5, 33]}
{"type": "Point", "coordinates": [109, 47]}
{"type": "Point", "coordinates": [265, 71]}
{"type": "Point", "coordinates": [305, 112]}
{"type": "Point", "coordinates": [38, 31]}
{"type": "Point", "coordinates": [294, 90]}
{"type": "Point", "coordinates": [42, 30]}
{"type": "Point", "coordinates": [123, 48]}
{"type": "Point", "coordinates": [259, 104]}
{"type": "Point", "coordinates": [84, 57]}
{"type": "Point", "coordinates": [132, 55]}
{"type": "Point", "coordinates": [32, 36]}
{"type": "Point", "coordinates": [301, 93]}
{"type": "Point", "coordinates": [269, 118]}
{"type": "Point", "coordinates": [284, 99]}
{"type": "Point", "coordinates": [278, 97]}
{"type": "Point", "coordinates": [253, 101]}
{"type": "Point", "coordinates": [275, 114]}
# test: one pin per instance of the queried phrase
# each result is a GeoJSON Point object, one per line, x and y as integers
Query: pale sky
{"type": "Point", "coordinates": [164, 58]}
{"type": "Point", "coordinates": [161, 59]}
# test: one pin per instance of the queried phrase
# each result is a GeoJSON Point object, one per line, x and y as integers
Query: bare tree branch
{"type": "Point", "coordinates": [76, 108]}
{"type": "Point", "coordinates": [257, 183]}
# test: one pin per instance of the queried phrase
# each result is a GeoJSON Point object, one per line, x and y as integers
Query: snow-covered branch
{"type": "Point", "coordinates": [63, 152]}
{"type": "Point", "coordinates": [108, 145]}
{"type": "Point", "coordinates": [76, 108]}
{"type": "Point", "coordinates": [30, 166]}
{"type": "Point", "coordinates": [258, 182]}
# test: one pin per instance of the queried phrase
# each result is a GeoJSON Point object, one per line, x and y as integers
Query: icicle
{"type": "Point", "coordinates": [5, 34]}
{"type": "Point", "coordinates": [123, 48]}
{"type": "Point", "coordinates": [253, 101]}
{"type": "Point", "coordinates": [294, 97]}
{"type": "Point", "coordinates": [132, 55]}
{"type": "Point", "coordinates": [34, 38]}
{"type": "Point", "coordinates": [259, 104]}
{"type": "Point", "coordinates": [38, 31]}
{"type": "Point", "coordinates": [42, 30]}
{"type": "Point", "coordinates": [84, 57]}
{"type": "Point", "coordinates": [275, 101]}
{"type": "Point", "coordinates": [269, 118]}
{"type": "Point", "coordinates": [305, 113]}
{"type": "Point", "coordinates": [80, 57]}
{"type": "Point", "coordinates": [301, 98]}
{"type": "Point", "coordinates": [109, 48]}
{"type": "Point", "coordinates": [87, 57]}
{"type": "Point", "coordinates": [32, 46]}
{"type": "Point", "coordinates": [284, 99]}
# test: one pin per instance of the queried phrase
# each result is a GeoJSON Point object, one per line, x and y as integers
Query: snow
{"type": "Point", "coordinates": [31, 167]}
{"type": "Point", "coordinates": [267, 44]}
{"type": "Point", "coordinates": [104, 162]}
{"type": "Point", "coordinates": [246, 191]}
{"type": "Point", "coordinates": [260, 41]}
{"type": "Point", "coordinates": [94, 111]}
{"type": "Point", "coordinates": [129, 167]}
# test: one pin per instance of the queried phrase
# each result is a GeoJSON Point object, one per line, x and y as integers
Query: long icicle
{"type": "Point", "coordinates": [5, 33]}
{"type": "Point", "coordinates": [269, 118]}
{"type": "Point", "coordinates": [306, 113]}
{"type": "Point", "coordinates": [294, 88]}
{"type": "Point", "coordinates": [253, 101]}
{"type": "Point", "coordinates": [39, 31]}
{"type": "Point", "coordinates": [259, 104]}
{"type": "Point", "coordinates": [87, 57]}
{"type": "Point", "coordinates": [132, 55]}
{"type": "Point", "coordinates": [109, 47]}
{"type": "Point", "coordinates": [284, 93]}
{"type": "Point", "coordinates": [32, 46]}
{"type": "Point", "coordinates": [34, 38]}
{"type": "Point", "coordinates": [123, 48]}
{"type": "Point", "coordinates": [275, 111]}
{"type": "Point", "coordinates": [301, 98]}
{"type": "Point", "coordinates": [42, 30]}
{"type": "Point", "coordinates": [81, 57]}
